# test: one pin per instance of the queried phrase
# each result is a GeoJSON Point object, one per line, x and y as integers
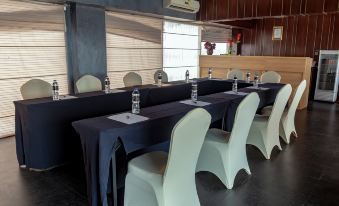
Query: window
{"type": "Point", "coordinates": [219, 36]}
{"type": "Point", "coordinates": [32, 45]}
{"type": "Point", "coordinates": [181, 51]}
{"type": "Point", "coordinates": [133, 44]}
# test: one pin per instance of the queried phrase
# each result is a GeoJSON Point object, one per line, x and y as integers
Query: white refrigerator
{"type": "Point", "coordinates": [328, 76]}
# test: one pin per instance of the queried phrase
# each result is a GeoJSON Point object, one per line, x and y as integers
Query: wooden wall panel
{"type": "Point", "coordinates": [286, 7]}
{"type": "Point", "coordinates": [331, 5]}
{"type": "Point", "coordinates": [263, 8]}
{"type": "Point", "coordinates": [249, 8]}
{"type": "Point", "coordinates": [276, 7]}
{"type": "Point", "coordinates": [233, 9]}
{"type": "Point", "coordinates": [302, 35]}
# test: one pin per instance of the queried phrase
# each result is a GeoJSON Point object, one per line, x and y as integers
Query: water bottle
{"type": "Point", "coordinates": [256, 80]}
{"type": "Point", "coordinates": [135, 101]}
{"type": "Point", "coordinates": [159, 79]}
{"type": "Point", "coordinates": [248, 77]}
{"type": "Point", "coordinates": [187, 76]}
{"type": "Point", "coordinates": [107, 85]}
{"type": "Point", "coordinates": [194, 95]}
{"type": "Point", "coordinates": [235, 85]}
{"type": "Point", "coordinates": [55, 88]}
{"type": "Point", "coordinates": [209, 73]}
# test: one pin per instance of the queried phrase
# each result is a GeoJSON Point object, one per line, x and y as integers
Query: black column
{"type": "Point", "coordinates": [86, 42]}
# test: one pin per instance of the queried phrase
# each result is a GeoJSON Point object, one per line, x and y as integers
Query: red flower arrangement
{"type": "Point", "coordinates": [209, 47]}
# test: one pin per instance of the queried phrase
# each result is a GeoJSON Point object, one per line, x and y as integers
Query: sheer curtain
{"type": "Point", "coordinates": [181, 49]}
{"type": "Point", "coordinates": [133, 44]}
{"type": "Point", "coordinates": [32, 45]}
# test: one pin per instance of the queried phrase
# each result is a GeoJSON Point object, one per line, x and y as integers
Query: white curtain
{"type": "Point", "coordinates": [32, 45]}
{"type": "Point", "coordinates": [133, 44]}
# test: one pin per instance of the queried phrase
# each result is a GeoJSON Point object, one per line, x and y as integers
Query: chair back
{"type": "Point", "coordinates": [270, 77]}
{"type": "Point", "coordinates": [279, 106]}
{"type": "Point", "coordinates": [235, 72]}
{"type": "Point", "coordinates": [132, 79]}
{"type": "Point", "coordinates": [297, 97]}
{"type": "Point", "coordinates": [163, 74]}
{"type": "Point", "coordinates": [186, 141]}
{"type": "Point", "coordinates": [36, 88]}
{"type": "Point", "coordinates": [88, 83]}
{"type": "Point", "coordinates": [242, 122]}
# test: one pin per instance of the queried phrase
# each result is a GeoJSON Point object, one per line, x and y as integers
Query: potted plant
{"type": "Point", "coordinates": [209, 47]}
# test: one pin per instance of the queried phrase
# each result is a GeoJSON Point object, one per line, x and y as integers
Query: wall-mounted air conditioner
{"type": "Point", "coordinates": [190, 6]}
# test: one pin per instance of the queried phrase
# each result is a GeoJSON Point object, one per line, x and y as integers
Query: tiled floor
{"type": "Point", "coordinates": [306, 172]}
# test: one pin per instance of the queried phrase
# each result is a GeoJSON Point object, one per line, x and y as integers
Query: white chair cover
{"type": "Point", "coordinates": [264, 132]}
{"type": "Point", "coordinates": [224, 153]}
{"type": "Point", "coordinates": [158, 179]}
{"type": "Point", "coordinates": [36, 88]}
{"type": "Point", "coordinates": [235, 72]}
{"type": "Point", "coordinates": [88, 83]}
{"type": "Point", "coordinates": [132, 79]}
{"type": "Point", "coordinates": [270, 77]}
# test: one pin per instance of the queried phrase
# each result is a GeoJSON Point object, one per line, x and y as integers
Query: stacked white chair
{"type": "Point", "coordinates": [163, 74]}
{"type": "Point", "coordinates": [132, 79]}
{"type": "Point", "coordinates": [161, 179]}
{"type": "Point", "coordinates": [264, 132]}
{"type": "Point", "coordinates": [235, 72]}
{"type": "Point", "coordinates": [270, 77]}
{"type": "Point", "coordinates": [224, 153]}
{"type": "Point", "coordinates": [287, 122]}
{"type": "Point", "coordinates": [36, 88]}
{"type": "Point", "coordinates": [88, 83]}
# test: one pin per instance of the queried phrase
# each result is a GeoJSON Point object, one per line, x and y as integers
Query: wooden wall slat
{"type": "Point", "coordinates": [276, 7]}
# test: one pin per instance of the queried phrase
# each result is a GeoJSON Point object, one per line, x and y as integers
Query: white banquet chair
{"type": "Point", "coordinates": [132, 79]}
{"type": "Point", "coordinates": [161, 179]}
{"type": "Point", "coordinates": [287, 122]}
{"type": "Point", "coordinates": [235, 72]}
{"type": "Point", "coordinates": [270, 77]}
{"type": "Point", "coordinates": [224, 153]}
{"type": "Point", "coordinates": [264, 132]}
{"type": "Point", "coordinates": [36, 88]}
{"type": "Point", "coordinates": [88, 83]}
{"type": "Point", "coordinates": [163, 74]}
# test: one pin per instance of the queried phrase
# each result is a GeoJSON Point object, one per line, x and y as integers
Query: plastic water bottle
{"type": "Point", "coordinates": [256, 80]}
{"type": "Point", "coordinates": [235, 85]}
{"type": "Point", "coordinates": [55, 88]}
{"type": "Point", "coordinates": [194, 94]}
{"type": "Point", "coordinates": [107, 85]}
{"type": "Point", "coordinates": [209, 73]}
{"type": "Point", "coordinates": [248, 77]}
{"type": "Point", "coordinates": [159, 79]}
{"type": "Point", "coordinates": [135, 101]}
{"type": "Point", "coordinates": [187, 76]}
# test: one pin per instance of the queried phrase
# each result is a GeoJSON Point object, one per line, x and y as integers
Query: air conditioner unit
{"type": "Point", "coordinates": [190, 6]}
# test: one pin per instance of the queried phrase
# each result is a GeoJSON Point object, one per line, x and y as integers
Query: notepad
{"type": "Point", "coordinates": [258, 88]}
{"type": "Point", "coordinates": [237, 93]}
{"type": "Point", "coordinates": [115, 91]}
{"type": "Point", "coordinates": [63, 97]}
{"type": "Point", "coordinates": [128, 118]}
{"type": "Point", "coordinates": [197, 103]}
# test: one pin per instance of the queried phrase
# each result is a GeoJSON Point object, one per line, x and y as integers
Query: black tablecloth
{"type": "Point", "coordinates": [100, 135]}
{"type": "Point", "coordinates": [45, 137]}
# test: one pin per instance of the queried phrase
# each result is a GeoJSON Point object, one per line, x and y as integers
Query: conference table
{"type": "Point", "coordinates": [44, 134]}
{"type": "Point", "coordinates": [108, 144]}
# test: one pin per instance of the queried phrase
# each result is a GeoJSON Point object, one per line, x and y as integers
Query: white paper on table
{"type": "Point", "coordinates": [197, 103]}
{"type": "Point", "coordinates": [258, 88]}
{"type": "Point", "coordinates": [128, 118]}
{"type": "Point", "coordinates": [63, 97]}
{"type": "Point", "coordinates": [115, 91]}
{"type": "Point", "coordinates": [237, 93]}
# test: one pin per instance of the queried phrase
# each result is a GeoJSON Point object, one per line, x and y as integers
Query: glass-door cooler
{"type": "Point", "coordinates": [327, 79]}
